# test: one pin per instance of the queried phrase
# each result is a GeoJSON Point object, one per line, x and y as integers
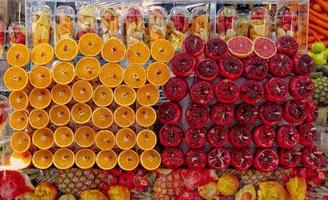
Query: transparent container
{"type": "Point", "coordinates": [225, 19]}
{"type": "Point", "coordinates": [178, 25]}
{"type": "Point", "coordinates": [134, 25]}
{"type": "Point", "coordinates": [157, 23]}
{"type": "Point", "coordinates": [41, 24]}
{"type": "Point", "coordinates": [17, 33]}
{"type": "Point", "coordinates": [64, 19]}
{"type": "Point", "coordinates": [260, 21]}
{"type": "Point", "coordinates": [86, 20]}
{"type": "Point", "coordinates": [287, 22]}
{"type": "Point", "coordinates": [110, 23]}
{"type": "Point", "coordinates": [3, 30]}
{"type": "Point", "coordinates": [243, 26]}
{"type": "Point", "coordinates": [200, 22]}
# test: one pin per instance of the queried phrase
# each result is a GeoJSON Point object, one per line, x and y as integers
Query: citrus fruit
{"type": "Point", "coordinates": [103, 95]}
{"type": "Point", "coordinates": [102, 117]}
{"type": "Point", "coordinates": [111, 74]}
{"type": "Point", "coordinates": [43, 138]}
{"type": "Point", "coordinates": [63, 73]}
{"type": "Point", "coordinates": [61, 94]}
{"type": "Point", "coordinates": [18, 100]}
{"type": "Point", "coordinates": [18, 55]}
{"type": "Point", "coordinates": [147, 95]}
{"type": "Point", "coordinates": [124, 116]}
{"type": "Point", "coordinates": [85, 158]}
{"type": "Point", "coordinates": [106, 160]}
{"type": "Point", "coordinates": [87, 68]}
{"type": "Point", "coordinates": [125, 138]}
{"type": "Point", "coordinates": [64, 158]}
{"type": "Point", "coordinates": [18, 120]}
{"type": "Point", "coordinates": [158, 73]}
{"type": "Point", "coordinates": [42, 159]}
{"type": "Point", "coordinates": [113, 50]}
{"type": "Point", "coordinates": [38, 118]}
{"type": "Point", "coordinates": [15, 78]}
{"type": "Point", "coordinates": [63, 136]}
{"type": "Point", "coordinates": [134, 76]}
{"type": "Point", "coordinates": [264, 47]}
{"type": "Point", "coordinates": [146, 139]}
{"type": "Point", "coordinates": [145, 116]}
{"type": "Point", "coordinates": [105, 140]}
{"type": "Point", "coordinates": [59, 115]}
{"type": "Point", "coordinates": [128, 160]}
{"type": "Point", "coordinates": [66, 49]}
{"type": "Point", "coordinates": [40, 98]}
{"type": "Point", "coordinates": [240, 46]}
{"type": "Point", "coordinates": [162, 50]}
{"type": "Point", "coordinates": [40, 77]}
{"type": "Point", "coordinates": [138, 53]}
{"type": "Point", "coordinates": [82, 91]}
{"type": "Point", "coordinates": [20, 142]}
{"type": "Point", "coordinates": [124, 95]}
{"type": "Point", "coordinates": [90, 44]}
{"type": "Point", "coordinates": [42, 54]}
{"type": "Point", "coordinates": [81, 113]}
{"type": "Point", "coordinates": [20, 160]}
{"type": "Point", "coordinates": [84, 136]}
{"type": "Point", "coordinates": [150, 159]}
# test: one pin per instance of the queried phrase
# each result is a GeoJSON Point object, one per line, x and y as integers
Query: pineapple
{"type": "Point", "coordinates": [321, 88]}
{"type": "Point", "coordinates": [168, 186]}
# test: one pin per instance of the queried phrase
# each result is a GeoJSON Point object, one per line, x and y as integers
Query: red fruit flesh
{"type": "Point", "coordinates": [240, 136]}
{"type": "Point", "coordinates": [171, 136]}
{"type": "Point", "coordinates": [219, 159]}
{"type": "Point", "coordinates": [189, 195]}
{"type": "Point", "coordinates": [266, 160]}
{"type": "Point", "coordinates": [207, 70]}
{"type": "Point", "coordinates": [226, 91]}
{"type": "Point", "coordinates": [12, 184]}
{"type": "Point", "coordinates": [201, 92]}
{"type": "Point", "coordinates": [169, 113]}
{"type": "Point", "coordinates": [308, 134]}
{"type": "Point", "coordinates": [241, 159]}
{"type": "Point", "coordinates": [264, 47]}
{"type": "Point", "coordinates": [251, 92]}
{"type": "Point", "coordinates": [240, 46]}
{"type": "Point", "coordinates": [287, 45]}
{"type": "Point", "coordinates": [217, 136]}
{"type": "Point", "coordinates": [195, 138]}
{"type": "Point", "coordinates": [172, 158]}
{"type": "Point", "coordinates": [289, 158]}
{"type": "Point", "coordinates": [197, 116]}
{"type": "Point", "coordinates": [303, 64]}
{"type": "Point", "coordinates": [270, 113]}
{"type": "Point", "coordinates": [313, 111]}
{"type": "Point", "coordinates": [263, 136]}
{"type": "Point", "coordinates": [231, 67]}
{"type": "Point", "coordinates": [194, 45]}
{"type": "Point", "coordinates": [311, 158]}
{"type": "Point", "coordinates": [295, 111]}
{"type": "Point", "coordinates": [216, 49]}
{"type": "Point", "coordinates": [256, 69]}
{"type": "Point", "coordinates": [246, 114]}
{"type": "Point", "coordinates": [175, 89]}
{"type": "Point", "coordinates": [196, 158]}
{"type": "Point", "coordinates": [182, 64]}
{"type": "Point", "coordinates": [280, 65]}
{"type": "Point", "coordinates": [301, 87]}
{"type": "Point", "coordinates": [222, 114]}
{"type": "Point", "coordinates": [276, 89]}
{"type": "Point", "coordinates": [287, 136]}
{"type": "Point", "coordinates": [180, 22]}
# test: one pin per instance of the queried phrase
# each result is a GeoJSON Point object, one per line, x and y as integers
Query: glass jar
{"type": "Point", "coordinates": [64, 19]}
{"type": "Point", "coordinates": [41, 24]}
{"type": "Point", "coordinates": [200, 22]}
{"type": "Point", "coordinates": [86, 20]}
{"type": "Point", "coordinates": [157, 23]}
{"type": "Point", "coordinates": [17, 33]}
{"type": "Point", "coordinates": [226, 18]}
{"type": "Point", "coordinates": [3, 31]}
{"type": "Point", "coordinates": [243, 26]}
{"type": "Point", "coordinates": [178, 25]}
{"type": "Point", "coordinates": [260, 21]}
{"type": "Point", "coordinates": [110, 23]}
{"type": "Point", "coordinates": [287, 20]}
{"type": "Point", "coordinates": [134, 25]}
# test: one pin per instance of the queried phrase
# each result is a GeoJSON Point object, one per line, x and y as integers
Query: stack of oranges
{"type": "Point", "coordinates": [84, 113]}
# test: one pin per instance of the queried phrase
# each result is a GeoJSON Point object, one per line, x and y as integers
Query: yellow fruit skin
{"type": "Point", "coordinates": [296, 188]}
{"type": "Point", "coordinates": [272, 190]}
{"type": "Point", "coordinates": [228, 184]}
{"type": "Point", "coordinates": [247, 192]}
{"type": "Point", "coordinates": [26, 196]}
{"type": "Point", "coordinates": [45, 191]}
{"type": "Point", "coordinates": [208, 191]}
{"type": "Point", "coordinates": [119, 193]}
{"type": "Point", "coordinates": [92, 195]}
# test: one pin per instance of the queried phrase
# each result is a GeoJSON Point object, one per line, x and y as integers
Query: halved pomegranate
{"type": "Point", "coordinates": [303, 64]}
{"type": "Point", "coordinates": [193, 45]}
{"type": "Point", "coordinates": [195, 137]}
{"type": "Point", "coordinates": [295, 111]}
{"type": "Point", "coordinates": [313, 111]}
{"type": "Point", "coordinates": [246, 114]}
{"type": "Point", "coordinates": [280, 65]}
{"type": "Point", "coordinates": [231, 67]}
{"type": "Point", "coordinates": [183, 64]}
{"type": "Point", "coordinates": [256, 68]}
{"type": "Point", "coordinates": [219, 159]}
{"type": "Point", "coordinates": [226, 91]}
{"type": "Point", "coordinates": [207, 70]}
{"type": "Point", "coordinates": [171, 136]}
{"type": "Point", "coordinates": [216, 49]}
{"type": "Point", "coordinates": [251, 92]}
{"type": "Point", "coordinates": [266, 160]}
{"type": "Point", "coordinates": [197, 116]}
{"type": "Point", "coordinates": [301, 87]}
{"type": "Point", "coordinates": [312, 158]}
{"type": "Point", "coordinates": [287, 45]}
{"type": "Point", "coordinates": [289, 158]}
{"type": "Point", "coordinates": [201, 92]}
{"type": "Point", "coordinates": [175, 89]}
{"type": "Point", "coordinates": [264, 136]}
{"type": "Point", "coordinates": [169, 113]}
{"type": "Point", "coordinates": [217, 136]}
{"type": "Point", "coordinates": [196, 158]}
{"type": "Point", "coordinates": [241, 159]}
{"type": "Point", "coordinates": [308, 134]}
{"type": "Point", "coordinates": [240, 136]}
{"type": "Point", "coordinates": [172, 158]}
{"type": "Point", "coordinates": [287, 136]}
{"type": "Point", "coordinates": [270, 113]}
{"type": "Point", "coordinates": [276, 89]}
{"type": "Point", "coordinates": [222, 114]}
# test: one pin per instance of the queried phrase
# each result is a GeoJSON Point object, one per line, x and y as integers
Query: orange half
{"type": "Point", "coordinates": [103, 95]}
{"type": "Point", "coordinates": [158, 73]}
{"type": "Point", "coordinates": [18, 55]}
{"type": "Point", "coordinates": [146, 139]}
{"type": "Point", "coordinates": [66, 49]}
{"type": "Point", "coordinates": [138, 53]}
{"type": "Point", "coordinates": [20, 160]}
{"type": "Point", "coordinates": [102, 117]}
{"type": "Point", "coordinates": [38, 118]}
{"type": "Point", "coordinates": [87, 68]}
{"type": "Point", "coordinates": [128, 160]}
{"type": "Point", "coordinates": [105, 140]}
{"type": "Point", "coordinates": [63, 73]}
{"type": "Point", "coordinates": [61, 94]}
{"type": "Point", "coordinates": [124, 95]}
{"type": "Point", "coordinates": [85, 158]}
{"type": "Point", "coordinates": [113, 51]}
{"type": "Point", "coordinates": [42, 159]}
{"type": "Point", "coordinates": [40, 98]}
{"type": "Point", "coordinates": [15, 78]}
{"type": "Point", "coordinates": [20, 142]}
{"type": "Point", "coordinates": [43, 138]}
{"type": "Point", "coordinates": [150, 159]}
{"type": "Point", "coordinates": [90, 44]}
{"type": "Point", "coordinates": [124, 116]}
{"type": "Point", "coordinates": [59, 115]}
{"type": "Point", "coordinates": [111, 74]}
{"type": "Point", "coordinates": [106, 160]}
{"type": "Point", "coordinates": [125, 138]}
{"type": "Point", "coordinates": [135, 76]}
{"type": "Point", "coordinates": [82, 91]}
{"type": "Point", "coordinates": [18, 120]}
{"type": "Point", "coordinates": [81, 113]}
{"type": "Point", "coordinates": [64, 158]}
{"type": "Point", "coordinates": [84, 136]}
{"type": "Point", "coordinates": [63, 136]}
{"type": "Point", "coordinates": [145, 116]}
{"type": "Point", "coordinates": [40, 77]}
{"type": "Point", "coordinates": [148, 95]}
{"type": "Point", "coordinates": [162, 50]}
{"type": "Point", "coordinates": [18, 100]}
{"type": "Point", "coordinates": [42, 54]}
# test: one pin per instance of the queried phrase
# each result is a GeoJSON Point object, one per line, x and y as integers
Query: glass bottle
{"type": "Point", "coordinates": [110, 23]}
{"type": "Point", "coordinates": [157, 23]}
{"type": "Point", "coordinates": [225, 20]}
{"type": "Point", "coordinates": [17, 33]}
{"type": "Point", "coordinates": [3, 31]}
{"type": "Point", "coordinates": [86, 20]}
{"type": "Point", "coordinates": [134, 25]}
{"type": "Point", "coordinates": [41, 24]}
{"type": "Point", "coordinates": [200, 22]}
{"type": "Point", "coordinates": [64, 19]}
{"type": "Point", "coordinates": [287, 20]}
{"type": "Point", "coordinates": [178, 25]}
{"type": "Point", "coordinates": [260, 21]}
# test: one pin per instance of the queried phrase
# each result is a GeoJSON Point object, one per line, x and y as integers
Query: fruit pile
{"type": "Point", "coordinates": [239, 92]}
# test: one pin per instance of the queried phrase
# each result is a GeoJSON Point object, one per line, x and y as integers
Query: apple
{"type": "Point", "coordinates": [318, 47]}
{"type": "Point", "coordinates": [320, 59]}
{"type": "Point", "coordinates": [311, 54]}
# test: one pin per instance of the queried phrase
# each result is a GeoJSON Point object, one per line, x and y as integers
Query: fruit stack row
{"type": "Point", "coordinates": [240, 92]}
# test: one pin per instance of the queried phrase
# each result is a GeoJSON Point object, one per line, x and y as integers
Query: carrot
{"type": "Point", "coordinates": [319, 29]}
{"type": "Point", "coordinates": [323, 4]}
{"type": "Point", "coordinates": [319, 22]}
{"type": "Point", "coordinates": [318, 15]}
{"type": "Point", "coordinates": [312, 38]}
{"type": "Point", "coordinates": [316, 7]}
{"type": "Point", "coordinates": [316, 36]}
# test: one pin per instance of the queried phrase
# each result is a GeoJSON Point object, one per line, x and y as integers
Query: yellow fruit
{"type": "Point", "coordinates": [125, 138]}
{"type": "Point", "coordinates": [102, 117]}
{"type": "Point", "coordinates": [134, 76]}
{"type": "Point", "coordinates": [105, 140]}
{"type": "Point", "coordinates": [92, 195]}
{"type": "Point", "coordinates": [42, 159]}
{"type": "Point", "coordinates": [20, 160]}
{"type": "Point", "coordinates": [246, 192]}
{"type": "Point", "coordinates": [84, 136]}
{"type": "Point", "coordinates": [138, 53]}
{"type": "Point", "coordinates": [150, 159]}
{"type": "Point", "coordinates": [45, 191]}
{"type": "Point", "coordinates": [297, 188]}
{"type": "Point", "coordinates": [18, 55]}
{"type": "Point", "coordinates": [119, 193]}
{"type": "Point", "coordinates": [18, 120]}
{"type": "Point", "coordinates": [43, 138]}
{"type": "Point", "coordinates": [158, 73]}
{"type": "Point", "coordinates": [20, 142]}
{"type": "Point", "coordinates": [42, 54]}
{"type": "Point", "coordinates": [87, 68]}
{"type": "Point", "coordinates": [18, 100]}
{"type": "Point", "coordinates": [59, 115]}
{"type": "Point", "coordinates": [63, 136]}
{"type": "Point", "coordinates": [111, 75]}
{"type": "Point", "coordinates": [124, 95]}
{"type": "Point", "coordinates": [40, 98]}
{"type": "Point", "coordinates": [162, 50]}
{"type": "Point", "coordinates": [106, 160]}
{"type": "Point", "coordinates": [113, 51]}
{"type": "Point", "coordinates": [82, 91]}
{"type": "Point", "coordinates": [81, 113]}
{"type": "Point", "coordinates": [145, 116]}
{"type": "Point", "coordinates": [40, 77]}
{"type": "Point", "coordinates": [66, 49]}
{"type": "Point", "coordinates": [103, 95]}
{"type": "Point", "coordinates": [85, 158]}
{"type": "Point", "coordinates": [146, 139]}
{"type": "Point", "coordinates": [124, 116]}
{"type": "Point", "coordinates": [208, 191]}
{"type": "Point", "coordinates": [272, 190]}
{"type": "Point", "coordinates": [128, 160]}
{"type": "Point", "coordinates": [228, 184]}
{"type": "Point", "coordinates": [147, 95]}
{"type": "Point", "coordinates": [64, 158]}
{"type": "Point", "coordinates": [38, 118]}
{"type": "Point", "coordinates": [15, 78]}
{"type": "Point", "coordinates": [63, 73]}
{"type": "Point", "coordinates": [61, 94]}
{"type": "Point", "coordinates": [90, 44]}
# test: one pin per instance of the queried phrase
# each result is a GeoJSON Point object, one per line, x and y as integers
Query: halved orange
{"type": "Point", "coordinates": [20, 142]}
{"type": "Point", "coordinates": [125, 138]}
{"type": "Point", "coordinates": [40, 77]}
{"type": "Point", "coordinates": [135, 76]}
{"type": "Point", "coordinates": [146, 139]}
{"type": "Point", "coordinates": [61, 94]}
{"type": "Point", "coordinates": [81, 113]}
{"type": "Point", "coordinates": [66, 49]}
{"type": "Point", "coordinates": [18, 55]}
{"type": "Point", "coordinates": [40, 98]}
{"type": "Point", "coordinates": [64, 158]}
{"type": "Point", "coordinates": [87, 68]}
{"type": "Point", "coordinates": [103, 95]}
{"type": "Point", "coordinates": [162, 50]}
{"type": "Point", "coordinates": [38, 118]}
{"type": "Point", "coordinates": [42, 54]}
{"type": "Point", "coordinates": [138, 53]}
{"type": "Point", "coordinates": [18, 120]}
{"type": "Point", "coordinates": [124, 95]}
{"type": "Point", "coordinates": [145, 116]}
{"type": "Point", "coordinates": [85, 159]}
{"type": "Point", "coordinates": [111, 74]}
{"type": "Point", "coordinates": [158, 73]}
{"type": "Point", "coordinates": [113, 50]}
{"type": "Point", "coordinates": [15, 78]}
{"type": "Point", "coordinates": [82, 91]}
{"type": "Point", "coordinates": [102, 117]}
{"type": "Point", "coordinates": [128, 160]}
{"type": "Point", "coordinates": [63, 136]}
{"type": "Point", "coordinates": [124, 116]}
{"type": "Point", "coordinates": [43, 138]}
{"type": "Point", "coordinates": [42, 159]}
{"type": "Point", "coordinates": [148, 95]}
{"type": "Point", "coordinates": [90, 44]}
{"type": "Point", "coordinates": [85, 136]}
{"type": "Point", "coordinates": [106, 160]}
{"type": "Point", "coordinates": [63, 73]}
{"type": "Point", "coordinates": [59, 115]}
{"type": "Point", "coordinates": [105, 140]}
{"type": "Point", "coordinates": [18, 100]}
{"type": "Point", "coordinates": [150, 159]}
{"type": "Point", "coordinates": [20, 160]}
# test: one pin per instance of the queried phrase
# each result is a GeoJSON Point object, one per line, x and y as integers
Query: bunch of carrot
{"type": "Point", "coordinates": [318, 18]}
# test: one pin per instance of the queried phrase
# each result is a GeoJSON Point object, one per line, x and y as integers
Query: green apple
{"type": "Point", "coordinates": [318, 47]}
{"type": "Point", "coordinates": [325, 53]}
{"type": "Point", "coordinates": [311, 54]}
{"type": "Point", "coordinates": [320, 59]}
